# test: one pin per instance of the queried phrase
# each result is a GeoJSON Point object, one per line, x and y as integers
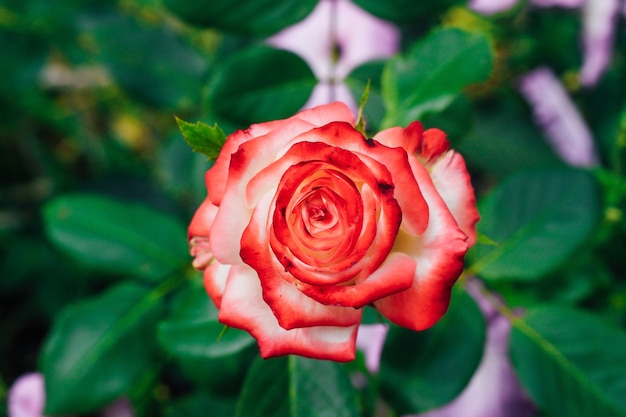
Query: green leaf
{"type": "Point", "coordinates": [99, 347]}
{"type": "Point", "coordinates": [259, 84]}
{"type": "Point", "coordinates": [247, 17]}
{"type": "Point", "coordinates": [420, 371]}
{"type": "Point", "coordinates": [571, 363]}
{"type": "Point", "coordinates": [538, 218]}
{"type": "Point", "coordinates": [504, 140]}
{"type": "Point", "coordinates": [154, 64]}
{"type": "Point", "coordinates": [204, 139]}
{"type": "Point", "coordinates": [294, 386]}
{"type": "Point", "coordinates": [116, 236]}
{"type": "Point", "coordinates": [191, 335]}
{"type": "Point", "coordinates": [201, 404]}
{"type": "Point", "coordinates": [433, 73]}
{"type": "Point", "coordinates": [194, 332]}
{"type": "Point", "coordinates": [405, 11]}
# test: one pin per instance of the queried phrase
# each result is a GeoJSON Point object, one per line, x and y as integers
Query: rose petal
{"type": "Point", "coordinates": [447, 169]}
{"type": "Point", "coordinates": [290, 307]}
{"type": "Point", "coordinates": [235, 210]}
{"type": "Point", "coordinates": [395, 160]}
{"type": "Point", "coordinates": [214, 278]}
{"type": "Point", "coordinates": [450, 177]}
{"type": "Point", "coordinates": [396, 137]}
{"type": "Point", "coordinates": [394, 275]}
{"type": "Point", "coordinates": [198, 234]}
{"type": "Point", "coordinates": [243, 307]}
{"type": "Point", "coordinates": [433, 145]}
{"type": "Point", "coordinates": [217, 175]}
{"type": "Point", "coordinates": [439, 256]}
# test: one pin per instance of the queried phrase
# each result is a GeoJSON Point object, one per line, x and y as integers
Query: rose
{"type": "Point", "coordinates": [307, 221]}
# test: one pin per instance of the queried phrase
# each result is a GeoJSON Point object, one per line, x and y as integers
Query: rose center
{"type": "Point", "coordinates": [317, 213]}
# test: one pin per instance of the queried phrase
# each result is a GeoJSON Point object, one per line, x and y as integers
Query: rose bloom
{"type": "Point", "coordinates": [306, 222]}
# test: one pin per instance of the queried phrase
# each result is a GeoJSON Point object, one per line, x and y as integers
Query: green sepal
{"type": "Point", "coordinates": [360, 121]}
{"type": "Point", "coordinates": [204, 139]}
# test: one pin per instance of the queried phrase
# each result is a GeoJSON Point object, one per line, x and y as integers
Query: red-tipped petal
{"type": "Point", "coordinates": [202, 220]}
{"type": "Point", "coordinates": [243, 307]}
{"type": "Point", "coordinates": [214, 279]}
{"type": "Point", "coordinates": [454, 184]}
{"type": "Point", "coordinates": [396, 137]}
{"type": "Point", "coordinates": [434, 144]}
{"type": "Point", "coordinates": [438, 254]}
{"type": "Point", "coordinates": [318, 116]}
{"type": "Point", "coordinates": [290, 307]}
{"type": "Point", "coordinates": [393, 276]}
{"type": "Point", "coordinates": [327, 113]}
{"type": "Point", "coordinates": [235, 210]}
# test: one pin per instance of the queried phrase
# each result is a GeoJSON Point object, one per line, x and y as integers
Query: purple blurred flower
{"type": "Point", "coordinates": [334, 39]}
{"type": "Point", "coordinates": [370, 340]}
{"type": "Point", "coordinates": [119, 408]}
{"type": "Point", "coordinates": [599, 22]}
{"type": "Point", "coordinates": [558, 3]}
{"type": "Point", "coordinates": [27, 396]}
{"type": "Point", "coordinates": [555, 112]}
{"type": "Point", "coordinates": [491, 6]}
{"type": "Point", "coordinates": [494, 390]}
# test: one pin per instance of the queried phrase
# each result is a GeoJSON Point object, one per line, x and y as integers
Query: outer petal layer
{"type": "Point", "coordinates": [439, 256]}
{"type": "Point", "coordinates": [243, 307]}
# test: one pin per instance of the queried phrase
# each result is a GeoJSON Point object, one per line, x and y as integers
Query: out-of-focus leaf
{"type": "Point", "coordinates": [260, 84]}
{"type": "Point", "coordinates": [420, 371]}
{"type": "Point", "coordinates": [116, 236]}
{"type": "Point", "coordinates": [538, 218]}
{"type": "Point", "coordinates": [247, 17]}
{"type": "Point", "coordinates": [201, 404]}
{"type": "Point", "coordinates": [405, 11]}
{"type": "Point", "coordinates": [152, 63]}
{"type": "Point", "coordinates": [97, 348]}
{"type": "Point", "coordinates": [433, 73]}
{"type": "Point", "coordinates": [294, 386]}
{"type": "Point", "coordinates": [570, 362]}
{"type": "Point", "coordinates": [193, 329]}
{"type": "Point", "coordinates": [204, 139]}
{"type": "Point", "coordinates": [209, 354]}
{"type": "Point", "coordinates": [456, 120]}
{"type": "Point", "coordinates": [180, 172]}
{"type": "Point", "coordinates": [504, 140]}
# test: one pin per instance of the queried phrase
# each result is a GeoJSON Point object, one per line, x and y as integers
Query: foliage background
{"type": "Point", "coordinates": [98, 185]}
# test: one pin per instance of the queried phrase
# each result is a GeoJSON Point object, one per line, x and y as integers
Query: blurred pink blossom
{"type": "Point", "coordinates": [334, 39]}
{"type": "Point", "coordinates": [599, 22]}
{"type": "Point", "coordinates": [494, 390]}
{"type": "Point", "coordinates": [558, 3]}
{"type": "Point", "coordinates": [119, 408]}
{"type": "Point", "coordinates": [370, 340]}
{"type": "Point", "coordinates": [491, 6]}
{"type": "Point", "coordinates": [554, 111]}
{"type": "Point", "coordinates": [27, 396]}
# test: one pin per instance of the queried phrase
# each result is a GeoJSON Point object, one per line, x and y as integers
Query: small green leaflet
{"type": "Point", "coordinates": [360, 123]}
{"type": "Point", "coordinates": [202, 138]}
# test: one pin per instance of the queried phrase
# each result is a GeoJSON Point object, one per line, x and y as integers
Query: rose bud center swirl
{"type": "Point", "coordinates": [318, 221]}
